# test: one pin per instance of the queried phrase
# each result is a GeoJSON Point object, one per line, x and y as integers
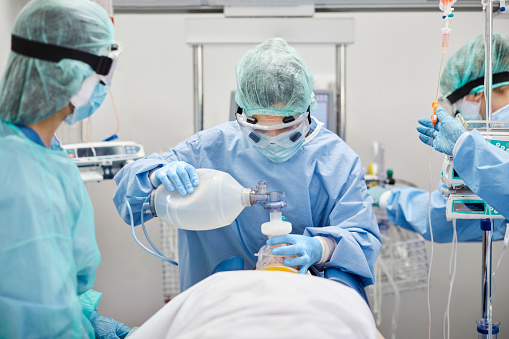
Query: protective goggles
{"type": "Point", "coordinates": [102, 65]}
{"type": "Point", "coordinates": [285, 134]}
{"type": "Point", "coordinates": [446, 105]}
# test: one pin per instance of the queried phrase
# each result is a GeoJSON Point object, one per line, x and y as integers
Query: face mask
{"type": "Point", "coordinates": [276, 153]}
{"type": "Point", "coordinates": [469, 109]}
{"type": "Point", "coordinates": [87, 100]}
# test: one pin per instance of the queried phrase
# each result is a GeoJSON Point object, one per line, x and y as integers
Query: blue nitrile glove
{"type": "Point", "coordinates": [107, 328]}
{"type": "Point", "coordinates": [308, 250]}
{"type": "Point", "coordinates": [447, 132]}
{"type": "Point", "coordinates": [179, 175]}
{"type": "Point", "coordinates": [376, 192]}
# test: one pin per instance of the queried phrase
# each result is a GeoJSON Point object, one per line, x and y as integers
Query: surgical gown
{"type": "Point", "coordinates": [324, 187]}
{"type": "Point", "coordinates": [48, 251]}
{"type": "Point", "coordinates": [408, 207]}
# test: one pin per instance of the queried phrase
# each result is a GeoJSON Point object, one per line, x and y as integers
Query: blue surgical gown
{"type": "Point", "coordinates": [324, 187]}
{"type": "Point", "coordinates": [48, 251]}
{"type": "Point", "coordinates": [408, 207]}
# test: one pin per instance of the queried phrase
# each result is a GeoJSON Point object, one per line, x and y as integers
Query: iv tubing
{"type": "Point", "coordinates": [115, 110]}
{"type": "Point", "coordinates": [506, 240]}
{"type": "Point", "coordinates": [434, 119]}
{"type": "Point", "coordinates": [394, 324]}
{"type": "Point", "coordinates": [431, 233]}
{"type": "Point", "coordinates": [452, 275]}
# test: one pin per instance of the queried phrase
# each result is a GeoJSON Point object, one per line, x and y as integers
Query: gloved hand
{"type": "Point", "coordinates": [107, 328]}
{"type": "Point", "coordinates": [376, 192]}
{"type": "Point", "coordinates": [179, 175]}
{"type": "Point", "coordinates": [307, 249]}
{"type": "Point", "coordinates": [447, 131]}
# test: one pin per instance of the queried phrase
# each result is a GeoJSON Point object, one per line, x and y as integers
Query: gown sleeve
{"type": "Point", "coordinates": [484, 168]}
{"type": "Point", "coordinates": [353, 225]}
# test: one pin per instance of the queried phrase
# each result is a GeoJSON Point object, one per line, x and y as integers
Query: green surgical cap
{"type": "Point", "coordinates": [467, 64]}
{"type": "Point", "coordinates": [31, 89]}
{"type": "Point", "coordinates": [273, 79]}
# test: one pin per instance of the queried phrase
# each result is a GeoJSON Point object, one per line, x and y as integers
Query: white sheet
{"type": "Point", "coordinates": [262, 304]}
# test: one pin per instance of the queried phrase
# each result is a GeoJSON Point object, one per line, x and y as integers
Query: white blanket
{"type": "Point", "coordinates": [262, 304]}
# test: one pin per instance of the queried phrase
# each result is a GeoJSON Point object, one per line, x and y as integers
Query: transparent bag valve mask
{"type": "Point", "coordinates": [269, 261]}
{"type": "Point", "coordinates": [282, 134]}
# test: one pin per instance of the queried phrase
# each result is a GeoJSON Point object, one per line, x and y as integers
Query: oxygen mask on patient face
{"type": "Point", "coordinates": [270, 262]}
{"type": "Point", "coordinates": [276, 226]}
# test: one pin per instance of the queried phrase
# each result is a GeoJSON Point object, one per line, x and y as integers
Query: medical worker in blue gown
{"type": "Point", "coordinates": [274, 139]}
{"type": "Point", "coordinates": [48, 251]}
{"type": "Point", "coordinates": [462, 83]}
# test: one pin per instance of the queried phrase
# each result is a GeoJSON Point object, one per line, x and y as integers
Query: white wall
{"type": "Point", "coordinates": [8, 11]}
{"type": "Point", "coordinates": [392, 72]}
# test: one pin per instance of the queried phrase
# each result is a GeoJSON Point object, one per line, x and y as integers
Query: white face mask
{"type": "Point", "coordinates": [469, 109]}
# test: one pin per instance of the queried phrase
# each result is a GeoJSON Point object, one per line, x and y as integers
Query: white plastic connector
{"type": "Point", "coordinates": [446, 30]}
{"type": "Point", "coordinates": [245, 197]}
{"type": "Point", "coordinates": [276, 225]}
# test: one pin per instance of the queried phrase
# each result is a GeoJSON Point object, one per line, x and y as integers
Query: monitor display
{"type": "Point", "coordinates": [468, 207]}
{"type": "Point", "coordinates": [111, 150]}
{"type": "Point", "coordinates": [85, 152]}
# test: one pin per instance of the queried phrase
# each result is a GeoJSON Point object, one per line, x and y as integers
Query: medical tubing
{"type": "Point", "coordinates": [159, 254]}
{"type": "Point", "coordinates": [395, 314]}
{"type": "Point", "coordinates": [146, 234]}
{"type": "Point", "coordinates": [377, 294]}
{"type": "Point", "coordinates": [431, 232]}
{"type": "Point", "coordinates": [452, 275]}
{"type": "Point", "coordinates": [506, 240]}
{"type": "Point", "coordinates": [439, 74]}
{"type": "Point", "coordinates": [117, 119]}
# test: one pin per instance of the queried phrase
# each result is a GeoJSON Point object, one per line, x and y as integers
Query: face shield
{"type": "Point", "coordinates": [286, 134]}
{"type": "Point", "coordinates": [446, 105]}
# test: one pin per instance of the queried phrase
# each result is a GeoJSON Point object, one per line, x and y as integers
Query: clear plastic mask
{"type": "Point", "coordinates": [285, 135]}
{"type": "Point", "coordinates": [270, 262]}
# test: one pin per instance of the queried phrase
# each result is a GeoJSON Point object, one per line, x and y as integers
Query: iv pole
{"type": "Point", "coordinates": [486, 327]}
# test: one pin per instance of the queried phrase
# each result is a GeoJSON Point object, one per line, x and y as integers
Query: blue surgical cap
{"type": "Point", "coordinates": [31, 89]}
{"type": "Point", "coordinates": [273, 79]}
{"type": "Point", "coordinates": [467, 64]}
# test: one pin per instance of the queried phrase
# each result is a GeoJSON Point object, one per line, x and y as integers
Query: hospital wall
{"type": "Point", "coordinates": [392, 72]}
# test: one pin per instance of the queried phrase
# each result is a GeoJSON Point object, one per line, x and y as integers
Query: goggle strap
{"type": "Point", "coordinates": [48, 52]}
{"type": "Point", "coordinates": [465, 89]}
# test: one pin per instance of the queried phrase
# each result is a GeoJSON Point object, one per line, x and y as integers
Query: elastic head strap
{"type": "Point", "coordinates": [48, 52]}
{"type": "Point", "coordinates": [285, 120]}
{"type": "Point", "coordinates": [469, 86]}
